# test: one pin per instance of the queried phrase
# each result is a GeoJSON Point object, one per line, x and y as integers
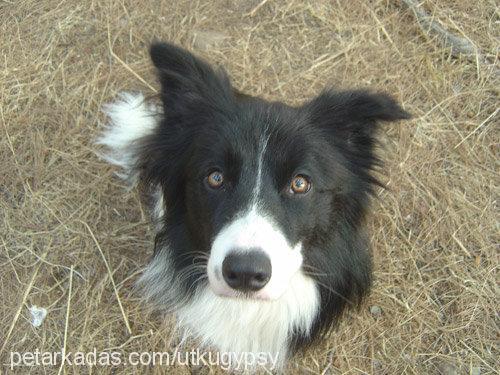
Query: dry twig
{"type": "Point", "coordinates": [457, 45]}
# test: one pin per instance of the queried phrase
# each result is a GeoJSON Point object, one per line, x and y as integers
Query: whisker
{"type": "Point", "coordinates": [336, 293]}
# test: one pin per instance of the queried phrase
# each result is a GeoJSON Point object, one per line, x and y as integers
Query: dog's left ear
{"type": "Point", "coordinates": [187, 81]}
{"type": "Point", "coordinates": [353, 115]}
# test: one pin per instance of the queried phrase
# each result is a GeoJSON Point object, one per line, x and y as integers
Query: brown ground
{"type": "Point", "coordinates": [435, 232]}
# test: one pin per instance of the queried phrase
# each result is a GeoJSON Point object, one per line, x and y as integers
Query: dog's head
{"type": "Point", "coordinates": [258, 192]}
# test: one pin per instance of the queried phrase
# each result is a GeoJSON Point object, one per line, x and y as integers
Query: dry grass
{"type": "Point", "coordinates": [73, 241]}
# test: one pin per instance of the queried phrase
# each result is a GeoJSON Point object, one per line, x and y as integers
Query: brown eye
{"type": "Point", "coordinates": [215, 179]}
{"type": "Point", "coordinates": [300, 185]}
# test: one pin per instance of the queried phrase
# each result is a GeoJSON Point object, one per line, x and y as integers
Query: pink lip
{"type": "Point", "coordinates": [236, 295]}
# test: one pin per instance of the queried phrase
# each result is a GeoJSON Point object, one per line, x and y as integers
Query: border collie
{"type": "Point", "coordinates": [258, 206]}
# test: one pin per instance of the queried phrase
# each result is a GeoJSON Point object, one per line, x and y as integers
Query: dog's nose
{"type": "Point", "coordinates": [247, 271]}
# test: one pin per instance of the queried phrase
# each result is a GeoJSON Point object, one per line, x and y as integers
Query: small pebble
{"type": "Point", "coordinates": [376, 311]}
{"type": "Point", "coordinates": [38, 315]}
{"type": "Point", "coordinates": [377, 365]}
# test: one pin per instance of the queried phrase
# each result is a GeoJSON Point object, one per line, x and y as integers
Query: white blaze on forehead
{"type": "Point", "coordinates": [260, 162]}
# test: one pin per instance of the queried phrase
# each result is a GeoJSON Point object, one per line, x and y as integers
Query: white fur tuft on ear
{"type": "Point", "coordinates": [130, 119]}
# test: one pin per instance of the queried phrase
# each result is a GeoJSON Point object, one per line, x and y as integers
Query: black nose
{"type": "Point", "coordinates": [247, 271]}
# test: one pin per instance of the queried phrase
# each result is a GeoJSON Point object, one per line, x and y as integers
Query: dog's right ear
{"type": "Point", "coordinates": [186, 80]}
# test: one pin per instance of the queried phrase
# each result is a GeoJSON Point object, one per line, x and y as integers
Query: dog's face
{"type": "Point", "coordinates": [256, 184]}
{"type": "Point", "coordinates": [258, 193]}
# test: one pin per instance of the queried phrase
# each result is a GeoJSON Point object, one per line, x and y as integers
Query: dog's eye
{"type": "Point", "coordinates": [215, 179]}
{"type": "Point", "coordinates": [300, 184]}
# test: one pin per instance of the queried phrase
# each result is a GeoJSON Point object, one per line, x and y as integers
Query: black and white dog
{"type": "Point", "coordinates": [259, 206]}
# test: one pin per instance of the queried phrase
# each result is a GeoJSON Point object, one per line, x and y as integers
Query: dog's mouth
{"type": "Point", "coordinates": [238, 295]}
{"type": "Point", "coordinates": [270, 292]}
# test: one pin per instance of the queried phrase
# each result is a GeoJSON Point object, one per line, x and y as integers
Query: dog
{"type": "Point", "coordinates": [258, 206]}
